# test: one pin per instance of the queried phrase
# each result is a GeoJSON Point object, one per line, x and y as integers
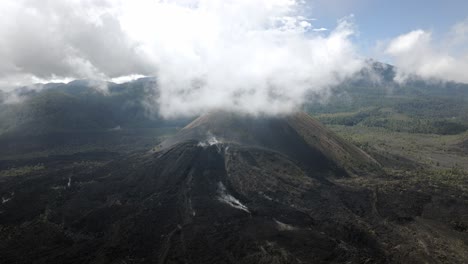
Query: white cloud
{"type": "Point", "coordinates": [417, 53]}
{"type": "Point", "coordinates": [64, 39]}
{"type": "Point", "coordinates": [127, 78]}
{"type": "Point", "coordinates": [254, 56]}
{"type": "Point", "coordinates": [249, 56]}
{"type": "Point", "coordinates": [320, 29]}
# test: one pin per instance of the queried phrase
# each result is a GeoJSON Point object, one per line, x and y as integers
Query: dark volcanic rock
{"type": "Point", "coordinates": [226, 189]}
{"type": "Point", "coordinates": [299, 137]}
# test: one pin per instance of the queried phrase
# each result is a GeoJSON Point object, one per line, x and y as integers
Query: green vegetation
{"type": "Point", "coordinates": [435, 160]}
{"type": "Point", "coordinates": [418, 132]}
{"type": "Point", "coordinates": [396, 111]}
{"type": "Point", "coordinates": [78, 106]}
{"type": "Point", "coordinates": [395, 121]}
{"type": "Point", "coordinates": [425, 149]}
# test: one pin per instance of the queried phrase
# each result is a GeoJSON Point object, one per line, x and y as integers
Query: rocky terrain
{"type": "Point", "coordinates": [229, 189]}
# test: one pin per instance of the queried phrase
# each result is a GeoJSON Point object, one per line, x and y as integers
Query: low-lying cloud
{"type": "Point", "coordinates": [418, 54]}
{"type": "Point", "coordinates": [257, 57]}
{"type": "Point", "coordinates": [252, 56]}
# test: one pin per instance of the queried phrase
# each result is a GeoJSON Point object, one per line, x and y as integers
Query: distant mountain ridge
{"type": "Point", "coordinates": [91, 105]}
{"type": "Point", "coordinates": [79, 105]}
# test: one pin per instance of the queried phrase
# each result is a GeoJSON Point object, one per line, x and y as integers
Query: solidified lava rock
{"type": "Point", "coordinates": [226, 189]}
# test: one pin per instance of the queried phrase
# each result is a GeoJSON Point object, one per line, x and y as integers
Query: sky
{"type": "Point", "coordinates": [253, 56]}
{"type": "Point", "coordinates": [381, 20]}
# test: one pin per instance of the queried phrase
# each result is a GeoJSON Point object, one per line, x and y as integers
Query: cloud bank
{"type": "Point", "coordinates": [257, 57]}
{"type": "Point", "coordinates": [46, 40]}
{"type": "Point", "coordinates": [252, 56]}
{"type": "Point", "coordinates": [417, 53]}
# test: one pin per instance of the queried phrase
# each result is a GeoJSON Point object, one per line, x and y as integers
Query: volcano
{"type": "Point", "coordinates": [297, 138]}
{"type": "Point", "coordinates": [227, 188]}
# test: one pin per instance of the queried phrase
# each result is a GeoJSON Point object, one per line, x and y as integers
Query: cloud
{"type": "Point", "coordinates": [417, 53]}
{"type": "Point", "coordinates": [319, 29]}
{"type": "Point", "coordinates": [44, 40]}
{"type": "Point", "coordinates": [252, 56]}
{"type": "Point", "coordinates": [255, 56]}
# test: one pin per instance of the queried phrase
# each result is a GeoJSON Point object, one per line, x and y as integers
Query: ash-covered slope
{"type": "Point", "coordinates": [298, 137]}
{"type": "Point", "coordinates": [228, 189]}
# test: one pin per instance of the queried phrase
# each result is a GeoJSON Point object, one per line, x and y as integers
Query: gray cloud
{"type": "Point", "coordinates": [64, 39]}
